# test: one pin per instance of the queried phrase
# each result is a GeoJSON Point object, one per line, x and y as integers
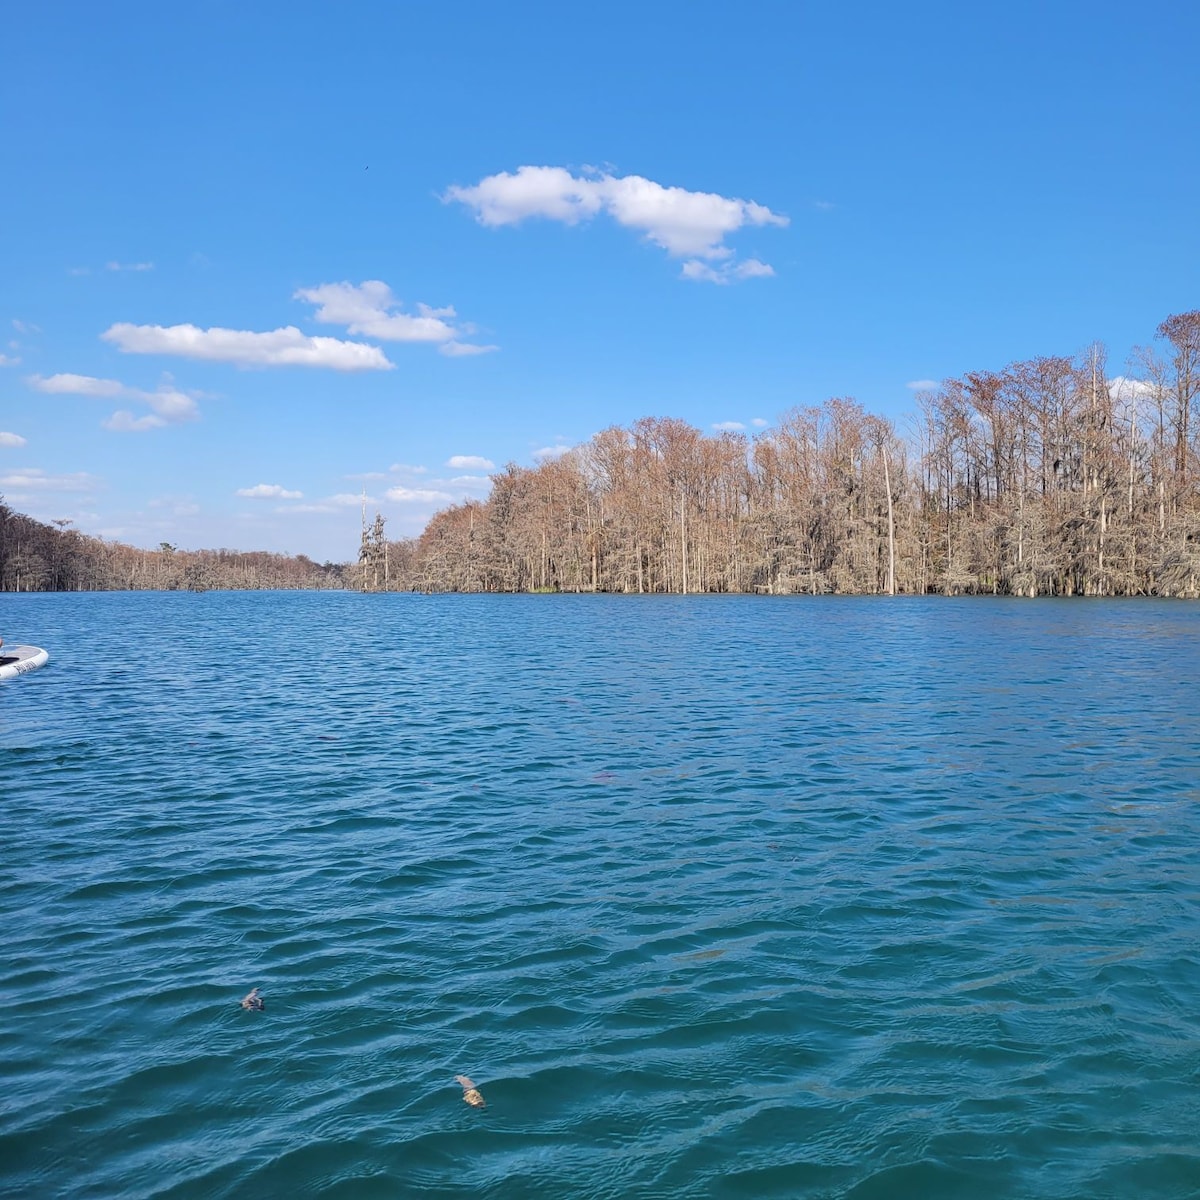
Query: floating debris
{"type": "Point", "coordinates": [471, 1093]}
{"type": "Point", "coordinates": [253, 1002]}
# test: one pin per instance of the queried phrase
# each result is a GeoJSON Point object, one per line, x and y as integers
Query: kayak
{"type": "Point", "coordinates": [18, 660]}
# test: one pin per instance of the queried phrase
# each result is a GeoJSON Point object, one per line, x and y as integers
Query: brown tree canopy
{"type": "Point", "coordinates": [1044, 478]}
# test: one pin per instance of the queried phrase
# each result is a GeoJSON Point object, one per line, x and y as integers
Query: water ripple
{"type": "Point", "coordinates": [712, 896]}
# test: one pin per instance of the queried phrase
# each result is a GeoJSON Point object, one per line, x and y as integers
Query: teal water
{"type": "Point", "coordinates": [730, 897]}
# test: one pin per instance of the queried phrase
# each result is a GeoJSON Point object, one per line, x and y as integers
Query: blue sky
{"type": "Point", "coordinates": [255, 256]}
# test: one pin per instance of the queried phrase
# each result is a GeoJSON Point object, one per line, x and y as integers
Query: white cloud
{"type": "Point", "coordinates": [684, 223]}
{"type": "Point", "coordinates": [368, 308]}
{"type": "Point", "coordinates": [25, 326]}
{"type": "Point", "coordinates": [169, 405]}
{"type": "Point", "coordinates": [76, 385]}
{"type": "Point", "coordinates": [406, 469]}
{"type": "Point", "coordinates": [350, 500]}
{"type": "Point", "coordinates": [1124, 388]}
{"type": "Point", "coordinates": [269, 491]}
{"type": "Point", "coordinates": [729, 426]}
{"type": "Point", "coordinates": [35, 478]}
{"type": "Point", "coordinates": [760, 422]}
{"type": "Point", "coordinates": [702, 272]}
{"type": "Point", "coordinates": [403, 495]}
{"type": "Point", "coordinates": [371, 309]}
{"type": "Point", "coordinates": [923, 385]}
{"type": "Point", "coordinates": [123, 421]}
{"type": "Point", "coordinates": [119, 266]}
{"type": "Point", "coordinates": [286, 347]}
{"type": "Point", "coordinates": [12, 439]}
{"type": "Point", "coordinates": [546, 452]}
{"type": "Point", "coordinates": [7, 360]}
{"type": "Point", "coordinates": [469, 462]}
{"type": "Point", "coordinates": [464, 349]}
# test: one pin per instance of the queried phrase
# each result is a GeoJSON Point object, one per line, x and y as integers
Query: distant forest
{"type": "Point", "coordinates": [1049, 477]}
{"type": "Point", "coordinates": [36, 557]}
{"type": "Point", "coordinates": [1045, 478]}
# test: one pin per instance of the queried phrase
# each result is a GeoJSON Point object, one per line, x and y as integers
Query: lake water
{"type": "Point", "coordinates": [729, 897]}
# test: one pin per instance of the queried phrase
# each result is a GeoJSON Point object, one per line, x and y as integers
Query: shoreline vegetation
{"type": "Point", "coordinates": [36, 557]}
{"type": "Point", "coordinates": [1046, 478]}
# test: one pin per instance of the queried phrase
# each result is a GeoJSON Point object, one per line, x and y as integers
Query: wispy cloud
{"type": "Point", "coordinates": [923, 385]}
{"type": "Point", "coordinates": [760, 422]}
{"type": "Point", "coordinates": [723, 273]}
{"type": "Point", "coordinates": [286, 347]}
{"type": "Point", "coordinates": [25, 326]}
{"type": "Point", "coordinates": [371, 309]}
{"type": "Point", "coordinates": [729, 426]}
{"type": "Point", "coordinates": [113, 265]}
{"type": "Point", "coordinates": [685, 224]}
{"type": "Point", "coordinates": [168, 405]}
{"type": "Point", "coordinates": [35, 479]}
{"type": "Point", "coordinates": [548, 452]}
{"type": "Point", "coordinates": [269, 491]}
{"type": "Point", "coordinates": [403, 495]}
{"type": "Point", "coordinates": [7, 360]}
{"type": "Point", "coordinates": [464, 349]}
{"type": "Point", "coordinates": [469, 462]}
{"type": "Point", "coordinates": [12, 440]}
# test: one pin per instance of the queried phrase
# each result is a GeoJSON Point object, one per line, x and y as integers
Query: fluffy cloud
{"type": "Point", "coordinates": [1124, 388]}
{"type": "Point", "coordinates": [11, 439]}
{"type": "Point", "coordinates": [370, 308]}
{"type": "Point", "coordinates": [685, 224]}
{"type": "Point", "coordinates": [169, 406]}
{"type": "Point", "coordinates": [702, 272]}
{"type": "Point", "coordinates": [729, 426]}
{"type": "Point", "coordinates": [469, 462]}
{"type": "Point", "coordinates": [269, 491]}
{"type": "Point", "coordinates": [760, 422]}
{"type": "Point", "coordinates": [923, 385]}
{"type": "Point", "coordinates": [548, 452]}
{"type": "Point", "coordinates": [286, 347]}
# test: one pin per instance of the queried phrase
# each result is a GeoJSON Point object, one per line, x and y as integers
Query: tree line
{"type": "Point", "coordinates": [40, 557]}
{"type": "Point", "coordinates": [1047, 477]}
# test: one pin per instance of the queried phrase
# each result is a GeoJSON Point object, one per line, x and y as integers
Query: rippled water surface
{"type": "Point", "coordinates": [709, 896]}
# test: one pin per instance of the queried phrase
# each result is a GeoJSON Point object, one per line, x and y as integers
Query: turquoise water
{"type": "Point", "coordinates": [731, 897]}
